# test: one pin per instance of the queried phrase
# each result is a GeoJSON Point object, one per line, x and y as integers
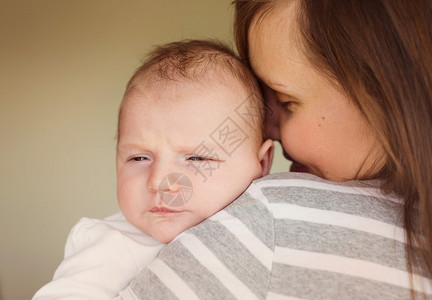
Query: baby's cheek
{"type": "Point", "coordinates": [212, 200]}
{"type": "Point", "coordinates": [129, 194]}
{"type": "Point", "coordinates": [123, 199]}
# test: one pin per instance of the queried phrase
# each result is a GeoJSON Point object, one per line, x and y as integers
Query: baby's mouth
{"type": "Point", "coordinates": [162, 211]}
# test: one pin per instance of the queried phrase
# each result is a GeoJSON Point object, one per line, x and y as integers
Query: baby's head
{"type": "Point", "coordinates": [190, 137]}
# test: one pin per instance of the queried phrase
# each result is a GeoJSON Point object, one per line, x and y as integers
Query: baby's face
{"type": "Point", "coordinates": [183, 154]}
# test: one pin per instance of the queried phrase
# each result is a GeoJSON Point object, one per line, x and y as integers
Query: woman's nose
{"type": "Point", "coordinates": [272, 130]}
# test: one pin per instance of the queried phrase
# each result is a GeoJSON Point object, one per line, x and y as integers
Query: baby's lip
{"type": "Point", "coordinates": [160, 210]}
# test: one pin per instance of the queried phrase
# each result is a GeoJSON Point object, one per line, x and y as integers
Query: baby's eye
{"type": "Point", "coordinates": [197, 158]}
{"type": "Point", "coordinates": [140, 158]}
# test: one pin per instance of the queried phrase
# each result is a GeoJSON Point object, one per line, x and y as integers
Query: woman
{"type": "Point", "coordinates": [349, 84]}
{"type": "Point", "coordinates": [365, 66]}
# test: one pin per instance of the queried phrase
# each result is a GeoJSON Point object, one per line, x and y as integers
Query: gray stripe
{"type": "Point", "coordinates": [310, 177]}
{"type": "Point", "coordinates": [366, 206]}
{"type": "Point", "coordinates": [341, 241]}
{"type": "Point", "coordinates": [296, 282]}
{"type": "Point", "coordinates": [255, 216]}
{"type": "Point", "coordinates": [198, 278]}
{"type": "Point", "coordinates": [243, 264]}
{"type": "Point", "coordinates": [148, 286]}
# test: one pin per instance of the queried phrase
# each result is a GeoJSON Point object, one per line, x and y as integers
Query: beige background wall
{"type": "Point", "coordinates": [63, 68]}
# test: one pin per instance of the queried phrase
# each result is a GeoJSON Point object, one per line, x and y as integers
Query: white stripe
{"type": "Point", "coordinates": [313, 215]}
{"type": "Point", "coordinates": [171, 280]}
{"type": "Point", "coordinates": [220, 215]}
{"type": "Point", "coordinates": [274, 296]}
{"type": "Point", "coordinates": [249, 240]}
{"type": "Point", "coordinates": [348, 266]}
{"type": "Point", "coordinates": [245, 236]}
{"type": "Point", "coordinates": [213, 265]}
{"type": "Point", "coordinates": [374, 192]}
{"type": "Point", "coordinates": [255, 192]}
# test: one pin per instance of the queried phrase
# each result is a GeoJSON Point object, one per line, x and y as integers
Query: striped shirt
{"type": "Point", "coordinates": [289, 236]}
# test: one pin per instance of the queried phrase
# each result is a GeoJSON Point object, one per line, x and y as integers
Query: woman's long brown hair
{"type": "Point", "coordinates": [380, 53]}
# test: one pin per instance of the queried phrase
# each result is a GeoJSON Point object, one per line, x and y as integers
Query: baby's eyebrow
{"type": "Point", "coordinates": [129, 146]}
{"type": "Point", "coordinates": [211, 149]}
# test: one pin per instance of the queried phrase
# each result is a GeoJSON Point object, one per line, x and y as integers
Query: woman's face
{"type": "Point", "coordinates": [318, 126]}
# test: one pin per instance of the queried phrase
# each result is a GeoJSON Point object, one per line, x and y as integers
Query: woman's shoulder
{"type": "Point", "coordinates": [351, 224]}
{"type": "Point", "coordinates": [291, 181]}
{"type": "Point", "coordinates": [301, 191]}
{"type": "Point", "coordinates": [298, 176]}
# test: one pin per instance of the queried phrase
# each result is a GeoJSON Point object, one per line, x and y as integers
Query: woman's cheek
{"type": "Point", "coordinates": [297, 139]}
{"type": "Point", "coordinates": [288, 134]}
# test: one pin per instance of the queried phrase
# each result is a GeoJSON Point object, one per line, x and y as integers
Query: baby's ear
{"type": "Point", "coordinates": [265, 156]}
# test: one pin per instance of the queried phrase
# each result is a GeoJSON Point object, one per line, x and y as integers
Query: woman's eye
{"type": "Point", "coordinates": [284, 102]}
{"type": "Point", "coordinates": [286, 105]}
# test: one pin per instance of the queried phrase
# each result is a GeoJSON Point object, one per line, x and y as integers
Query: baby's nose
{"type": "Point", "coordinates": [157, 178]}
{"type": "Point", "coordinates": [170, 183]}
{"type": "Point", "coordinates": [175, 190]}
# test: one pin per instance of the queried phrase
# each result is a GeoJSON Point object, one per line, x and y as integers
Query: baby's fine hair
{"type": "Point", "coordinates": [192, 60]}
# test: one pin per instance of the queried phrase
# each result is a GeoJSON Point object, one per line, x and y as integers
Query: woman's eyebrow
{"type": "Point", "coordinates": [274, 83]}
{"type": "Point", "coordinates": [271, 82]}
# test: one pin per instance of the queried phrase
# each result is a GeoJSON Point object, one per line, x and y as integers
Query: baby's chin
{"type": "Point", "coordinates": [165, 237]}
{"type": "Point", "coordinates": [163, 240]}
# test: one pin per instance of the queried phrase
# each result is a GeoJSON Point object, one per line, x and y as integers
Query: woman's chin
{"type": "Point", "coordinates": [295, 166]}
{"type": "Point", "coordinates": [298, 167]}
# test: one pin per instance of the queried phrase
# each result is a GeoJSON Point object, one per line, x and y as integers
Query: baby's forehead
{"type": "Point", "coordinates": [234, 112]}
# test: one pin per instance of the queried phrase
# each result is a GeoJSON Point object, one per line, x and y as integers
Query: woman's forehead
{"type": "Point", "coordinates": [274, 43]}
{"type": "Point", "coordinates": [280, 19]}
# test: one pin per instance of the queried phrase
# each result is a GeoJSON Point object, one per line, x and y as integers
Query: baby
{"type": "Point", "coordinates": [190, 141]}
